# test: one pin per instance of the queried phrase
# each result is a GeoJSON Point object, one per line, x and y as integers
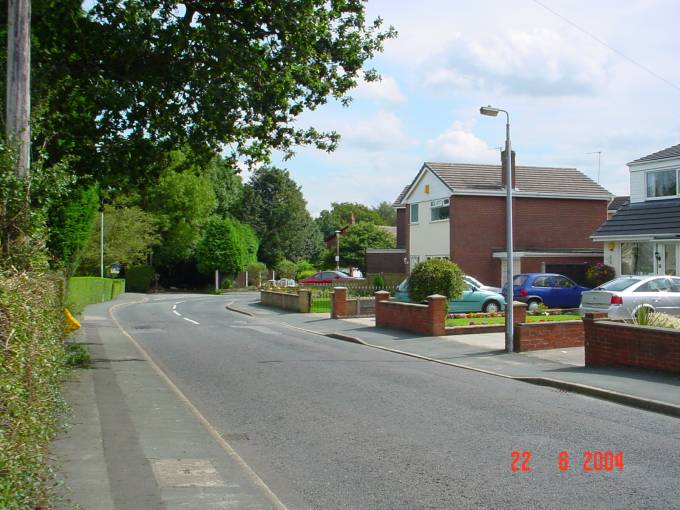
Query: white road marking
{"type": "Point", "coordinates": [176, 313]}
{"type": "Point", "coordinates": [192, 321]}
{"type": "Point", "coordinates": [174, 307]}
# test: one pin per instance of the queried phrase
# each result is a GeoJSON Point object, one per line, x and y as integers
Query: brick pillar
{"type": "Point", "coordinates": [437, 307]}
{"type": "Point", "coordinates": [304, 301]}
{"type": "Point", "coordinates": [339, 302]}
{"type": "Point", "coordinates": [381, 295]}
{"type": "Point", "coordinates": [590, 335]}
{"type": "Point", "coordinates": [519, 312]}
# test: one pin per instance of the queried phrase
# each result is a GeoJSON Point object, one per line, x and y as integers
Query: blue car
{"type": "Point", "coordinates": [552, 290]}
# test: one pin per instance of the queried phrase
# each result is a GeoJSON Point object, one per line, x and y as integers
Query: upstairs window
{"type": "Point", "coordinates": [439, 209]}
{"type": "Point", "coordinates": [662, 183]}
{"type": "Point", "coordinates": [414, 213]}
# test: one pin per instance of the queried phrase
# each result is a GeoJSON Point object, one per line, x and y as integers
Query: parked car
{"type": "Point", "coordinates": [474, 281]}
{"type": "Point", "coordinates": [622, 297]}
{"type": "Point", "coordinates": [473, 299]}
{"type": "Point", "coordinates": [327, 277]}
{"type": "Point", "coordinates": [552, 290]}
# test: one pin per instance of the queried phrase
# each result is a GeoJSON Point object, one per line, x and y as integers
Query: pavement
{"type": "Point", "coordinates": [135, 441]}
{"type": "Point", "coordinates": [560, 368]}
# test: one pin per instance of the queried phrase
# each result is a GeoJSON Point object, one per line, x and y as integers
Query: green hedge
{"type": "Point", "coordinates": [32, 367]}
{"type": "Point", "coordinates": [139, 278]}
{"type": "Point", "coordinates": [86, 290]}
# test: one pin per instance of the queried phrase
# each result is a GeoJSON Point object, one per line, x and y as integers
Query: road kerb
{"type": "Point", "coordinates": [237, 310]}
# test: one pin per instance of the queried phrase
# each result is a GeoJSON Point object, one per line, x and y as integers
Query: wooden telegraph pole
{"type": "Point", "coordinates": [19, 81]}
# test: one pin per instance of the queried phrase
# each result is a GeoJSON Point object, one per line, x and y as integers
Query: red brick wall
{"type": "Point", "coordinates": [548, 335]}
{"type": "Point", "coordinates": [422, 319]}
{"type": "Point", "coordinates": [534, 264]}
{"type": "Point", "coordinates": [385, 262]}
{"type": "Point", "coordinates": [611, 343]}
{"type": "Point", "coordinates": [478, 227]}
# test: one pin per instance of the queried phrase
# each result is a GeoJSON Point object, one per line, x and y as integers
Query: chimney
{"type": "Point", "coordinates": [504, 172]}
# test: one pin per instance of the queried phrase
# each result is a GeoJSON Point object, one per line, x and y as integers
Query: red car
{"type": "Point", "coordinates": [327, 277]}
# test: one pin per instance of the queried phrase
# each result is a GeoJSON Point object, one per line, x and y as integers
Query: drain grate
{"type": "Point", "coordinates": [186, 473]}
{"type": "Point", "coordinates": [236, 436]}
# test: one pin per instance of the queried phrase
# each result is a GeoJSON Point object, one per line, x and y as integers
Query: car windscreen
{"type": "Point", "coordinates": [519, 279]}
{"type": "Point", "coordinates": [619, 284]}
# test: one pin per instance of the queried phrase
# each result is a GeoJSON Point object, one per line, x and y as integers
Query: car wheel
{"type": "Point", "coordinates": [533, 304]}
{"type": "Point", "coordinates": [491, 307]}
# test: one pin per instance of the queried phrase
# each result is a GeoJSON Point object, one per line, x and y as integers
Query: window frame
{"type": "Point", "coordinates": [664, 197]}
{"type": "Point", "coordinates": [410, 215]}
{"type": "Point", "coordinates": [441, 203]}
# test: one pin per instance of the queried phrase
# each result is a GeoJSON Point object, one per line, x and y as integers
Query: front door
{"type": "Point", "coordinates": [666, 256]}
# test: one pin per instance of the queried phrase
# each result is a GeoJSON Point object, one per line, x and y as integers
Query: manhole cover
{"type": "Point", "coordinates": [236, 436]}
{"type": "Point", "coordinates": [186, 473]}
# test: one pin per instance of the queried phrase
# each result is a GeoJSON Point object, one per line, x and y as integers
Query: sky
{"type": "Point", "coordinates": [568, 94]}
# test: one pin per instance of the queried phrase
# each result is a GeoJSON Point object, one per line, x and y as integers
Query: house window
{"type": "Point", "coordinates": [439, 210]}
{"type": "Point", "coordinates": [662, 183]}
{"type": "Point", "coordinates": [414, 213]}
{"type": "Point", "coordinates": [637, 258]}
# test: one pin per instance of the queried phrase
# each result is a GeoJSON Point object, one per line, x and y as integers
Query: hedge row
{"type": "Point", "coordinates": [86, 290]}
{"type": "Point", "coordinates": [32, 366]}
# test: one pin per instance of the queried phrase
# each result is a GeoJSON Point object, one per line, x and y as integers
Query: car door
{"type": "Point", "coordinates": [466, 302]}
{"type": "Point", "coordinates": [542, 287]}
{"type": "Point", "coordinates": [565, 292]}
{"type": "Point", "coordinates": [647, 294]}
{"type": "Point", "coordinates": [674, 296]}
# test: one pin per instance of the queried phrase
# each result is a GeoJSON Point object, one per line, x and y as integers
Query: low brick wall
{"type": "Point", "coordinates": [475, 329]}
{"type": "Point", "coordinates": [535, 336]}
{"type": "Point", "coordinates": [422, 319]}
{"type": "Point", "coordinates": [610, 343]}
{"type": "Point", "coordinates": [299, 302]}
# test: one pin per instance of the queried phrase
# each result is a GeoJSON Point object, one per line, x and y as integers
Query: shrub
{"type": "Point", "coordinates": [139, 278]}
{"type": "Point", "coordinates": [435, 276]}
{"type": "Point", "coordinates": [379, 281]}
{"type": "Point", "coordinates": [257, 273]}
{"type": "Point", "coordinates": [304, 267]}
{"type": "Point", "coordinates": [285, 269]}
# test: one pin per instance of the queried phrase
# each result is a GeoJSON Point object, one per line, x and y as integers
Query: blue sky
{"type": "Point", "coordinates": [567, 94]}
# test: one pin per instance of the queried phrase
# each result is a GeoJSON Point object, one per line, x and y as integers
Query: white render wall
{"type": "Point", "coordinates": [638, 190]}
{"type": "Point", "coordinates": [427, 238]}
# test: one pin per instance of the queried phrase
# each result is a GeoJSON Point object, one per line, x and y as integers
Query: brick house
{"type": "Point", "coordinates": [457, 211]}
{"type": "Point", "coordinates": [643, 237]}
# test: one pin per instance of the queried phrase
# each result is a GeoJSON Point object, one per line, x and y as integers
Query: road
{"type": "Point", "coordinates": [330, 424]}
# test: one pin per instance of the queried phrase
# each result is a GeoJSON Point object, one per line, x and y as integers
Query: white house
{"type": "Point", "coordinates": [643, 237]}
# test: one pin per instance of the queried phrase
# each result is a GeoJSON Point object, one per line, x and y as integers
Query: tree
{"type": "Point", "coordinates": [357, 239]}
{"type": "Point", "coordinates": [273, 204]}
{"type": "Point", "coordinates": [182, 204]}
{"type": "Point", "coordinates": [387, 213]}
{"type": "Point", "coordinates": [227, 246]}
{"type": "Point", "coordinates": [435, 276]}
{"type": "Point", "coordinates": [129, 235]}
{"type": "Point", "coordinates": [286, 269]}
{"type": "Point", "coordinates": [118, 85]}
{"type": "Point", "coordinates": [343, 214]}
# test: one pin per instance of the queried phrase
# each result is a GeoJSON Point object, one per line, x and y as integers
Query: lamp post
{"type": "Point", "coordinates": [337, 250]}
{"type": "Point", "coordinates": [509, 293]}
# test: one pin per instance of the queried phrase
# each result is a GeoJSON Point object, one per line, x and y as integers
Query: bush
{"type": "Point", "coordinates": [86, 290]}
{"type": "Point", "coordinates": [379, 281]}
{"type": "Point", "coordinates": [227, 283]}
{"type": "Point", "coordinates": [139, 278]}
{"type": "Point", "coordinates": [257, 273]}
{"type": "Point", "coordinates": [285, 269]}
{"type": "Point", "coordinates": [599, 273]}
{"type": "Point", "coordinates": [32, 367]}
{"type": "Point", "coordinates": [435, 276]}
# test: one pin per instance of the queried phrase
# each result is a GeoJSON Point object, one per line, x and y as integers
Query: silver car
{"type": "Point", "coordinates": [622, 297]}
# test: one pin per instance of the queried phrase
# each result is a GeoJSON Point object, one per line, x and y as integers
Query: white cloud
{"type": "Point", "coordinates": [386, 89]}
{"type": "Point", "coordinates": [537, 62]}
{"type": "Point", "coordinates": [459, 145]}
{"type": "Point", "coordinates": [380, 132]}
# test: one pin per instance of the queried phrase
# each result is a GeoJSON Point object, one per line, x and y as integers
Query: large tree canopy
{"type": "Point", "coordinates": [343, 214]}
{"type": "Point", "coordinates": [120, 84]}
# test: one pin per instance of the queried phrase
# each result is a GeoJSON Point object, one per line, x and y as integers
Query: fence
{"type": "Point", "coordinates": [321, 296]}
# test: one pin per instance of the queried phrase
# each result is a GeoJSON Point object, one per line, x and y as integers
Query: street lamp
{"type": "Point", "coordinates": [337, 250]}
{"type": "Point", "coordinates": [490, 111]}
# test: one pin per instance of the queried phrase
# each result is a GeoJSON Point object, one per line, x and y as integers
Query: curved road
{"type": "Point", "coordinates": [329, 424]}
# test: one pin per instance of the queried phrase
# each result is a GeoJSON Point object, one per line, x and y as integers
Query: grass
{"type": "Point", "coordinates": [501, 320]}
{"type": "Point", "coordinates": [321, 304]}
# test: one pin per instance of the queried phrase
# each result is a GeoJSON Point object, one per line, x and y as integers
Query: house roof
{"type": "Point", "coordinates": [670, 152]}
{"type": "Point", "coordinates": [536, 179]}
{"type": "Point", "coordinates": [617, 203]}
{"type": "Point", "coordinates": [655, 217]}
{"type": "Point", "coordinates": [397, 201]}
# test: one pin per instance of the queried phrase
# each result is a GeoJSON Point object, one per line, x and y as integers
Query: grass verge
{"type": "Point", "coordinates": [474, 321]}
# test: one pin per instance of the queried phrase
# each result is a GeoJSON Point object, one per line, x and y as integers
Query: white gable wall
{"type": "Point", "coordinates": [638, 192]}
{"type": "Point", "coordinates": [428, 238]}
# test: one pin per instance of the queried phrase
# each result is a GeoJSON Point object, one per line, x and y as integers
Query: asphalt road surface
{"type": "Point", "coordinates": [330, 424]}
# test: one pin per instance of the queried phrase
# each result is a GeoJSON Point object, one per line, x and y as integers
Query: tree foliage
{"type": "Point", "coordinates": [120, 83]}
{"type": "Point", "coordinates": [355, 241]}
{"type": "Point", "coordinates": [227, 245]}
{"type": "Point", "coordinates": [435, 276]}
{"type": "Point", "coordinates": [387, 213]}
{"type": "Point", "coordinates": [273, 204]}
{"type": "Point", "coordinates": [343, 214]}
{"type": "Point", "coordinates": [129, 235]}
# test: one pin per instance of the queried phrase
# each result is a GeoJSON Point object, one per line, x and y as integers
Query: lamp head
{"type": "Point", "coordinates": [489, 110]}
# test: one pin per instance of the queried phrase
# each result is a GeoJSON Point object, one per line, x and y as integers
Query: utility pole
{"type": "Point", "coordinates": [19, 81]}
